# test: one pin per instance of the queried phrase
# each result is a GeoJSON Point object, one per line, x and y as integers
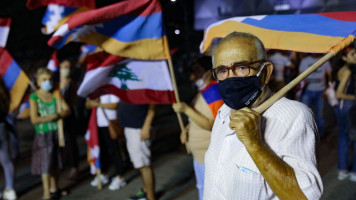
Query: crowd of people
{"type": "Point", "coordinates": [235, 149]}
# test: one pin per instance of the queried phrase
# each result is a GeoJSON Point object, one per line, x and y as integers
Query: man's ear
{"type": "Point", "coordinates": [269, 69]}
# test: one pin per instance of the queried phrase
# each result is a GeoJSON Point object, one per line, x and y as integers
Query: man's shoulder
{"type": "Point", "coordinates": [287, 109]}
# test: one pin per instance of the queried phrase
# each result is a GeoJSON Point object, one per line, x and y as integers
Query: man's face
{"type": "Point", "coordinates": [236, 50]}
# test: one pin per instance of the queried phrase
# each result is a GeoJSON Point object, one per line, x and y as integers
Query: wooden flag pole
{"type": "Point", "coordinates": [98, 174]}
{"type": "Point", "coordinates": [175, 89]}
{"type": "Point", "coordinates": [265, 105]}
{"type": "Point", "coordinates": [61, 142]}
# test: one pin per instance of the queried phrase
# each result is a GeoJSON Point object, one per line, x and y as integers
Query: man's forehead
{"type": "Point", "coordinates": [235, 50]}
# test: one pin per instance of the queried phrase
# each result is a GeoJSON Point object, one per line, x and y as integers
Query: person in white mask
{"type": "Point", "coordinates": [46, 158]}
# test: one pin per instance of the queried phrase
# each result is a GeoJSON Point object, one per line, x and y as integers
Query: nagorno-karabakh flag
{"type": "Point", "coordinates": [133, 81]}
{"type": "Point", "coordinates": [317, 33]}
{"type": "Point", "coordinates": [15, 79]}
{"type": "Point", "coordinates": [132, 29]}
{"type": "Point", "coordinates": [4, 30]}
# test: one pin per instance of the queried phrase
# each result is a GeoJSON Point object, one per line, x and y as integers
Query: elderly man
{"type": "Point", "coordinates": [253, 156]}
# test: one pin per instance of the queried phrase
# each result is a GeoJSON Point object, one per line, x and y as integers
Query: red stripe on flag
{"type": "Point", "coordinates": [141, 96]}
{"type": "Point", "coordinates": [5, 21]}
{"type": "Point", "coordinates": [102, 59]}
{"type": "Point", "coordinates": [32, 4]}
{"type": "Point", "coordinates": [343, 16]}
{"type": "Point", "coordinates": [5, 61]}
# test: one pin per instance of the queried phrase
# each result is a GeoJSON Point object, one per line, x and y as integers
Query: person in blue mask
{"type": "Point", "coordinates": [251, 155]}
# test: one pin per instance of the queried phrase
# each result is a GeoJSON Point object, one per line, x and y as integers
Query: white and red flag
{"type": "Point", "coordinates": [32, 4]}
{"type": "Point", "coordinates": [92, 140]}
{"type": "Point", "coordinates": [53, 63]}
{"type": "Point", "coordinates": [4, 30]}
{"type": "Point", "coordinates": [133, 81]}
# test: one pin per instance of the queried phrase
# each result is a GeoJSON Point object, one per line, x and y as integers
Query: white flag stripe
{"type": "Point", "coordinates": [4, 32]}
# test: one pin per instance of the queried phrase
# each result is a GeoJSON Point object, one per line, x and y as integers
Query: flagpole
{"type": "Point", "coordinates": [98, 174]}
{"type": "Point", "coordinates": [176, 94]}
{"type": "Point", "coordinates": [265, 105]}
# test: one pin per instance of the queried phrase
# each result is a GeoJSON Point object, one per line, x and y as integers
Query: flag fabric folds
{"type": "Point", "coordinates": [53, 63]}
{"type": "Point", "coordinates": [317, 33]}
{"type": "Point", "coordinates": [14, 77]}
{"type": "Point", "coordinates": [132, 29]}
{"type": "Point", "coordinates": [133, 81]}
{"type": "Point", "coordinates": [212, 96]}
{"type": "Point", "coordinates": [24, 108]}
{"type": "Point", "coordinates": [57, 15]}
{"type": "Point", "coordinates": [32, 4]}
{"type": "Point", "coordinates": [4, 30]}
{"type": "Point", "coordinates": [86, 50]}
{"type": "Point", "coordinates": [92, 140]}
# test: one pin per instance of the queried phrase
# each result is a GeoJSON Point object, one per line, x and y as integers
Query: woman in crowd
{"type": "Point", "coordinates": [9, 192]}
{"type": "Point", "coordinates": [202, 115]}
{"type": "Point", "coordinates": [44, 113]}
{"type": "Point", "coordinates": [345, 93]}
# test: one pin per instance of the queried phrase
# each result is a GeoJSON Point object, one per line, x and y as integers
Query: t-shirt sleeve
{"type": "Point", "coordinates": [33, 96]}
{"type": "Point", "coordinates": [297, 149]}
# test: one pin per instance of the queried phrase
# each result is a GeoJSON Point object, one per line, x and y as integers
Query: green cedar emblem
{"type": "Point", "coordinates": [123, 73]}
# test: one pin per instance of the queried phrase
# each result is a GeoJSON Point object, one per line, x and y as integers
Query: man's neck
{"type": "Point", "coordinates": [266, 94]}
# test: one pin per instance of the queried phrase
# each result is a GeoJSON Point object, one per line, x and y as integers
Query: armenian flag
{"type": "Point", "coordinates": [212, 96]}
{"type": "Point", "coordinates": [132, 29]}
{"type": "Point", "coordinates": [15, 79]}
{"type": "Point", "coordinates": [4, 30]}
{"type": "Point", "coordinates": [133, 81]}
{"type": "Point", "coordinates": [315, 33]}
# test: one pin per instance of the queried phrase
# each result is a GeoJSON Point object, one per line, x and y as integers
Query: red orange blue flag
{"type": "Point", "coordinates": [319, 32]}
{"type": "Point", "coordinates": [212, 97]}
{"type": "Point", "coordinates": [92, 140]}
{"type": "Point", "coordinates": [15, 79]}
{"type": "Point", "coordinates": [132, 29]}
{"type": "Point", "coordinates": [131, 80]}
{"type": "Point", "coordinates": [4, 30]}
{"type": "Point", "coordinates": [32, 4]}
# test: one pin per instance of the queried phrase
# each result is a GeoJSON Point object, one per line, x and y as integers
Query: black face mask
{"type": "Point", "coordinates": [240, 92]}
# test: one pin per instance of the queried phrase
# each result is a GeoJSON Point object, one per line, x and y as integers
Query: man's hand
{"type": "Point", "coordinates": [246, 124]}
{"type": "Point", "coordinates": [145, 133]}
{"type": "Point", "coordinates": [180, 107]}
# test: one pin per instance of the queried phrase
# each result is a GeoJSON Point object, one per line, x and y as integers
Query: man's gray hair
{"type": "Point", "coordinates": [260, 48]}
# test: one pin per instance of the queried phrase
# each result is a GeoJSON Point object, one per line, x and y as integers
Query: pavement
{"type": "Point", "coordinates": [172, 166]}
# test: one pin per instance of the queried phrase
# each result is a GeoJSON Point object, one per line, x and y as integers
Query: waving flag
{"type": "Point", "coordinates": [57, 15]}
{"type": "Point", "coordinates": [15, 79]}
{"type": "Point", "coordinates": [128, 28]}
{"type": "Point", "coordinates": [92, 140]}
{"type": "Point", "coordinates": [4, 30]}
{"type": "Point", "coordinates": [86, 50]}
{"type": "Point", "coordinates": [53, 63]}
{"type": "Point", "coordinates": [302, 32]}
{"type": "Point", "coordinates": [212, 96]}
{"type": "Point", "coordinates": [32, 4]}
{"type": "Point", "coordinates": [24, 108]}
{"type": "Point", "coordinates": [133, 81]}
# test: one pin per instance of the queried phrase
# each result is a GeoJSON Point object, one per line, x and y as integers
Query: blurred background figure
{"type": "Point", "coordinates": [109, 148]}
{"type": "Point", "coordinates": [44, 113]}
{"type": "Point", "coordinates": [196, 134]}
{"type": "Point", "coordinates": [312, 95]}
{"type": "Point", "coordinates": [68, 88]}
{"type": "Point", "coordinates": [345, 71]}
{"type": "Point", "coordinates": [281, 62]}
{"type": "Point", "coordinates": [6, 162]}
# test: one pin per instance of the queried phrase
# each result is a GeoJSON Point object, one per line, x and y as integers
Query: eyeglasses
{"type": "Point", "coordinates": [240, 69]}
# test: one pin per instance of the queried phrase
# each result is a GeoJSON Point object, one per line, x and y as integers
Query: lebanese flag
{"type": "Point", "coordinates": [32, 4]}
{"type": "Point", "coordinates": [133, 81]}
{"type": "Point", "coordinates": [53, 63]}
{"type": "Point", "coordinates": [4, 30]}
{"type": "Point", "coordinates": [92, 140]}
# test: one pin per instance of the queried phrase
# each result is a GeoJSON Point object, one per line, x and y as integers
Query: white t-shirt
{"type": "Point", "coordinates": [280, 62]}
{"type": "Point", "coordinates": [316, 80]}
{"type": "Point", "coordinates": [110, 113]}
{"type": "Point", "coordinates": [288, 129]}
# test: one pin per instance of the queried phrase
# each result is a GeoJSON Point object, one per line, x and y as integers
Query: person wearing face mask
{"type": "Point", "coordinates": [344, 73]}
{"type": "Point", "coordinates": [68, 89]}
{"type": "Point", "coordinates": [46, 158]}
{"type": "Point", "coordinates": [257, 156]}
{"type": "Point", "coordinates": [206, 104]}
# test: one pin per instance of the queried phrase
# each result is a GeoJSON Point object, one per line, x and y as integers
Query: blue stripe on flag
{"type": "Point", "coordinates": [212, 94]}
{"type": "Point", "coordinates": [305, 23]}
{"type": "Point", "coordinates": [125, 27]}
{"type": "Point", "coordinates": [12, 74]}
